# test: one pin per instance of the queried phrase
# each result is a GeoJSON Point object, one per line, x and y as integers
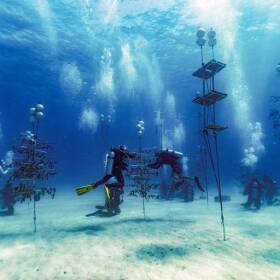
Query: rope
{"type": "Point", "coordinates": [203, 161]}
{"type": "Point", "coordinates": [216, 172]}
{"type": "Point", "coordinates": [141, 182]}
{"type": "Point", "coordinates": [34, 214]}
{"type": "Point", "coordinates": [219, 185]}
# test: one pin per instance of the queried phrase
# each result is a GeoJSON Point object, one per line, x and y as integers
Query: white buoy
{"type": "Point", "coordinates": [139, 126]}
{"type": "Point", "coordinates": [140, 132]}
{"type": "Point", "coordinates": [40, 107]}
{"type": "Point", "coordinates": [211, 34]}
{"type": "Point", "coordinates": [200, 33]}
{"type": "Point", "coordinates": [39, 115]}
{"type": "Point", "coordinates": [141, 122]}
{"type": "Point", "coordinates": [32, 110]}
{"type": "Point", "coordinates": [201, 42]}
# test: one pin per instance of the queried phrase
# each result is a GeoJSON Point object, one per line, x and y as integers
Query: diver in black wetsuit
{"type": "Point", "coordinates": [270, 190]}
{"type": "Point", "coordinates": [175, 161]}
{"type": "Point", "coordinates": [7, 192]}
{"type": "Point", "coordinates": [254, 190]}
{"type": "Point", "coordinates": [9, 198]}
{"type": "Point", "coordinates": [114, 169]}
{"type": "Point", "coordinates": [171, 158]}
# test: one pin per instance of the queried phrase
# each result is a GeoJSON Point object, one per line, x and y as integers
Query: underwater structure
{"type": "Point", "coordinates": [32, 165]}
{"type": "Point", "coordinates": [143, 181]}
{"type": "Point", "coordinates": [208, 100]}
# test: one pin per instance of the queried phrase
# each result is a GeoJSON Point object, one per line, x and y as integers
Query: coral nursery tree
{"type": "Point", "coordinates": [140, 174]}
{"type": "Point", "coordinates": [32, 165]}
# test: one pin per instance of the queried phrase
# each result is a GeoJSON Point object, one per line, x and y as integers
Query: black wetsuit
{"type": "Point", "coordinates": [9, 198]}
{"type": "Point", "coordinates": [254, 190]}
{"type": "Point", "coordinates": [174, 160]}
{"type": "Point", "coordinates": [270, 190]}
{"type": "Point", "coordinates": [119, 165]}
{"type": "Point", "coordinates": [168, 158]}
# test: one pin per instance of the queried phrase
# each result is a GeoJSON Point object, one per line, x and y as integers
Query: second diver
{"type": "Point", "coordinates": [173, 159]}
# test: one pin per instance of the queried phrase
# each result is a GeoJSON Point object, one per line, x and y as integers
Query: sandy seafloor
{"type": "Point", "coordinates": [176, 241]}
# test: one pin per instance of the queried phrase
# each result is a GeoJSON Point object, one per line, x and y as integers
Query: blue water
{"type": "Point", "coordinates": [128, 59]}
{"type": "Point", "coordinates": [100, 66]}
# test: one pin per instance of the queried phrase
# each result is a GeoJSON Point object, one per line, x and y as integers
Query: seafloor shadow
{"type": "Point", "coordinates": [14, 235]}
{"type": "Point", "coordinates": [89, 229]}
{"type": "Point", "coordinates": [160, 252]}
{"type": "Point", "coordinates": [271, 256]}
{"type": "Point", "coordinates": [5, 214]}
{"type": "Point", "coordinates": [92, 229]}
{"type": "Point", "coordinates": [261, 231]}
{"type": "Point", "coordinates": [152, 220]}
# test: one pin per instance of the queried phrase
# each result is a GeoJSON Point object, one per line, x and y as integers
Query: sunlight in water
{"type": "Point", "coordinates": [109, 11]}
{"type": "Point", "coordinates": [127, 66]}
{"type": "Point", "coordinates": [46, 14]}
{"type": "Point", "coordinates": [224, 17]}
{"type": "Point", "coordinates": [70, 79]}
{"type": "Point", "coordinates": [89, 119]}
{"type": "Point", "coordinates": [106, 82]}
{"type": "Point", "coordinates": [179, 135]}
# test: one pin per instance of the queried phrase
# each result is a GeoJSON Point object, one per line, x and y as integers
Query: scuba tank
{"type": "Point", "coordinates": [109, 163]}
{"type": "Point", "coordinates": [177, 154]}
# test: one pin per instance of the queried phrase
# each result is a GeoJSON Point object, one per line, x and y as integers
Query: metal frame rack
{"type": "Point", "coordinates": [208, 100]}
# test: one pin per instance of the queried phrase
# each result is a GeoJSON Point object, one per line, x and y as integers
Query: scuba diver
{"type": "Point", "coordinates": [113, 180]}
{"type": "Point", "coordinates": [254, 190]}
{"type": "Point", "coordinates": [7, 196]}
{"type": "Point", "coordinates": [270, 190]}
{"type": "Point", "coordinates": [175, 161]}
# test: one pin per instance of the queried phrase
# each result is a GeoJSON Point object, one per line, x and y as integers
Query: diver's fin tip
{"type": "Point", "coordinates": [84, 189]}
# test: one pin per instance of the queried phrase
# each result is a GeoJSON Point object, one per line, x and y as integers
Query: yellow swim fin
{"type": "Point", "coordinates": [85, 189]}
{"type": "Point", "coordinates": [107, 193]}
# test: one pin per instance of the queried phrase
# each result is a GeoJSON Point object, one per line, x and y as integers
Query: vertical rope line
{"type": "Point", "coordinates": [141, 182]}
{"type": "Point", "coordinates": [34, 213]}
{"type": "Point", "coordinates": [203, 158]}
{"type": "Point", "coordinates": [219, 186]}
{"type": "Point", "coordinates": [216, 175]}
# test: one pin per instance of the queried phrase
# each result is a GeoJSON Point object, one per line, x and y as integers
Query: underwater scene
{"type": "Point", "coordinates": [139, 139]}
